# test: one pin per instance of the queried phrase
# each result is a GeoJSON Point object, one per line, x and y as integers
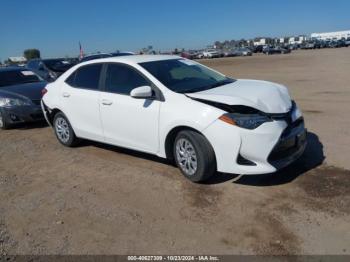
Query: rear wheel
{"type": "Point", "coordinates": [64, 131]}
{"type": "Point", "coordinates": [194, 156]}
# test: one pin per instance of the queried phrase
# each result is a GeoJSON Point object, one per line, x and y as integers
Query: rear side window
{"type": "Point", "coordinates": [86, 77]}
{"type": "Point", "coordinates": [122, 79]}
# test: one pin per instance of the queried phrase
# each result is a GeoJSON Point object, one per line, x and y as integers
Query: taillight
{"type": "Point", "coordinates": [43, 91]}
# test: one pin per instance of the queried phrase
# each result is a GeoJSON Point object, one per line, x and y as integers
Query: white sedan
{"type": "Point", "coordinates": [177, 109]}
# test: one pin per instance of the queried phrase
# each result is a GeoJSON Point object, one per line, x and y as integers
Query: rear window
{"type": "Point", "coordinates": [86, 77]}
{"type": "Point", "coordinates": [17, 77]}
{"type": "Point", "coordinates": [59, 65]}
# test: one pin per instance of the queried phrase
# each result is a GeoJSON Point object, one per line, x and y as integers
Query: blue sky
{"type": "Point", "coordinates": [56, 27]}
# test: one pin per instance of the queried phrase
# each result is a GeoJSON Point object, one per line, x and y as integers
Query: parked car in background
{"type": "Point", "coordinates": [122, 54]}
{"type": "Point", "coordinates": [49, 69]}
{"type": "Point", "coordinates": [269, 50]}
{"type": "Point", "coordinates": [189, 55]}
{"type": "Point", "coordinates": [292, 46]}
{"type": "Point", "coordinates": [308, 45]}
{"type": "Point", "coordinates": [227, 53]}
{"type": "Point", "coordinates": [242, 51]}
{"type": "Point", "coordinates": [333, 44]}
{"type": "Point", "coordinates": [258, 49]}
{"type": "Point", "coordinates": [347, 42]}
{"type": "Point", "coordinates": [341, 43]}
{"type": "Point", "coordinates": [178, 109]}
{"type": "Point", "coordinates": [20, 95]}
{"type": "Point", "coordinates": [95, 56]}
{"type": "Point", "coordinates": [212, 53]}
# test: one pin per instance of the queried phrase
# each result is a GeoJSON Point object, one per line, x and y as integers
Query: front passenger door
{"type": "Point", "coordinates": [127, 121]}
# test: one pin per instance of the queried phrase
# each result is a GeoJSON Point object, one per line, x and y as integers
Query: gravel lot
{"type": "Point", "coordinates": [98, 199]}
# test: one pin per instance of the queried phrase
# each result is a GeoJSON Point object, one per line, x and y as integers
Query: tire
{"type": "Point", "coordinates": [3, 123]}
{"type": "Point", "coordinates": [64, 131]}
{"type": "Point", "coordinates": [194, 156]}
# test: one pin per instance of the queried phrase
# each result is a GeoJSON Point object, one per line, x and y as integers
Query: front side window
{"type": "Point", "coordinates": [185, 76]}
{"type": "Point", "coordinates": [86, 77]}
{"type": "Point", "coordinates": [122, 79]}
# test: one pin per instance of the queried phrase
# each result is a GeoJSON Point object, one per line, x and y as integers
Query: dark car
{"type": "Point", "coordinates": [275, 50]}
{"type": "Point", "coordinates": [309, 45]}
{"type": "Point", "coordinates": [122, 54]}
{"type": "Point", "coordinates": [49, 69]}
{"type": "Point", "coordinates": [93, 57]}
{"type": "Point", "coordinates": [333, 44]}
{"type": "Point", "coordinates": [20, 96]}
{"type": "Point", "coordinates": [258, 49]}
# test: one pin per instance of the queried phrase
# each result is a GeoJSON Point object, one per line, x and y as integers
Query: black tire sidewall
{"type": "Point", "coordinates": [204, 152]}
{"type": "Point", "coordinates": [5, 124]}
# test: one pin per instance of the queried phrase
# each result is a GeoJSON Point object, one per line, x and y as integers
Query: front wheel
{"type": "Point", "coordinates": [3, 123]}
{"type": "Point", "coordinates": [64, 131]}
{"type": "Point", "coordinates": [194, 156]}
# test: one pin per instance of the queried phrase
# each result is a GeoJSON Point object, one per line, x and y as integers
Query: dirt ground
{"type": "Point", "coordinates": [98, 199]}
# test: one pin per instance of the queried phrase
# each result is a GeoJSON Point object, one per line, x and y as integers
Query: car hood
{"type": "Point", "coordinates": [29, 90]}
{"type": "Point", "coordinates": [265, 96]}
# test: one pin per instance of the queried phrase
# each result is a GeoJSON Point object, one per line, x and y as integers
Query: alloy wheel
{"type": "Point", "coordinates": [62, 129]}
{"type": "Point", "coordinates": [186, 156]}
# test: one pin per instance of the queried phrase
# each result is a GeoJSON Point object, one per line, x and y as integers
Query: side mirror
{"type": "Point", "coordinates": [142, 92]}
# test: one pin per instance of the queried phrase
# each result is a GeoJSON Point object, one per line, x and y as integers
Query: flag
{"type": "Point", "coordinates": [81, 54]}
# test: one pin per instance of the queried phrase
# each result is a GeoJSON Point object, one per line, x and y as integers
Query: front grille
{"type": "Point", "coordinates": [36, 102]}
{"type": "Point", "coordinates": [296, 125]}
{"type": "Point", "coordinates": [292, 138]}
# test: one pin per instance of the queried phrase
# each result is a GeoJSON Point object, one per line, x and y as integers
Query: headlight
{"type": "Point", "coordinates": [248, 121]}
{"type": "Point", "coordinates": [10, 102]}
{"type": "Point", "coordinates": [296, 113]}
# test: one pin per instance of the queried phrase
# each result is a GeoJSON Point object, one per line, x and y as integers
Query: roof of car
{"type": "Point", "coordinates": [135, 58]}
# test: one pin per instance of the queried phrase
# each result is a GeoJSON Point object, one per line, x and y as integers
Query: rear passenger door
{"type": "Point", "coordinates": [80, 101]}
{"type": "Point", "coordinates": [127, 121]}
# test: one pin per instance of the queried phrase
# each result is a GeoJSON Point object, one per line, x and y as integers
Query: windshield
{"type": "Point", "coordinates": [17, 77]}
{"type": "Point", "coordinates": [185, 76]}
{"type": "Point", "coordinates": [57, 64]}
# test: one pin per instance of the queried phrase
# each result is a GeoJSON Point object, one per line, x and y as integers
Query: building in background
{"type": "Point", "coordinates": [17, 60]}
{"type": "Point", "coordinates": [260, 41]}
{"type": "Point", "coordinates": [297, 39]}
{"type": "Point", "coordinates": [331, 35]}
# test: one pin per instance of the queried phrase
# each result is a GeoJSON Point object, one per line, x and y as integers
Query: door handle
{"type": "Point", "coordinates": [106, 102]}
{"type": "Point", "coordinates": [66, 95]}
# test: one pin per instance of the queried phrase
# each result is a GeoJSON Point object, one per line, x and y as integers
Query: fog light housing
{"type": "Point", "coordinates": [14, 117]}
{"type": "Point", "coordinates": [244, 162]}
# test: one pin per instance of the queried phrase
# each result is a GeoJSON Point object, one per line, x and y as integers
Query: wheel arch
{"type": "Point", "coordinates": [170, 138]}
{"type": "Point", "coordinates": [53, 112]}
